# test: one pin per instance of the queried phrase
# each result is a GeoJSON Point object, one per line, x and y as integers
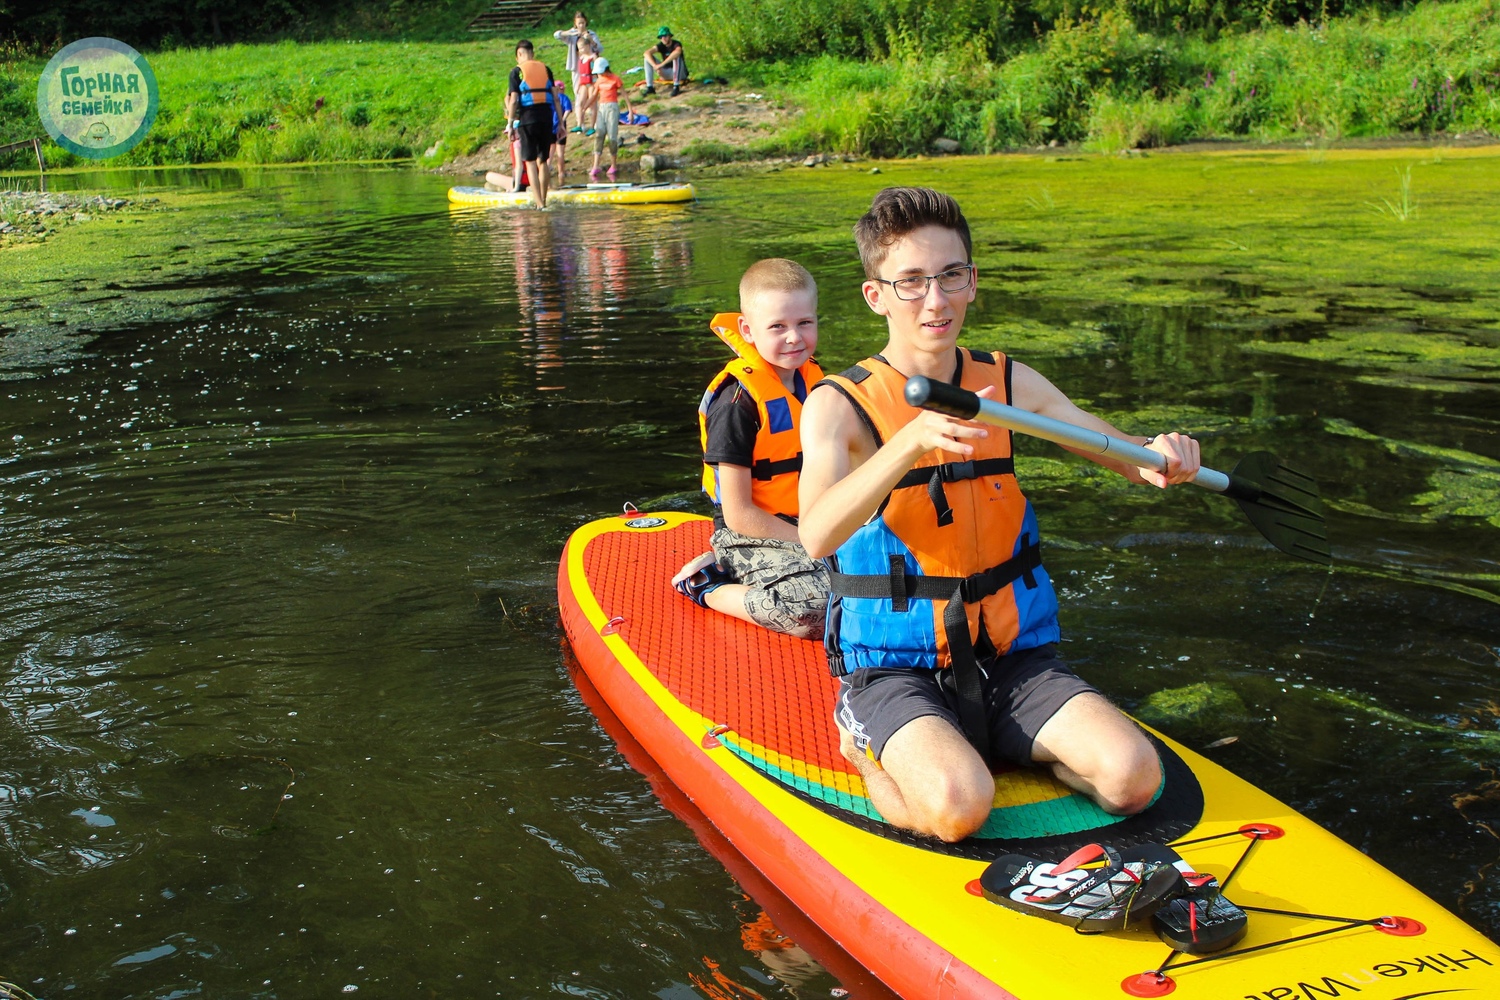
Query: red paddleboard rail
{"type": "Point", "coordinates": [900, 956]}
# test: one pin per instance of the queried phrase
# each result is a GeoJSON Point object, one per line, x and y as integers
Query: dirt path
{"type": "Point", "coordinates": [698, 117]}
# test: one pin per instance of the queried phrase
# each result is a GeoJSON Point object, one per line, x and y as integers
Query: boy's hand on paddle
{"type": "Point", "coordinates": [1181, 453]}
{"type": "Point", "coordinates": [933, 431]}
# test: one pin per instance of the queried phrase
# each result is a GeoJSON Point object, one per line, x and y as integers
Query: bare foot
{"type": "Point", "coordinates": [692, 567]}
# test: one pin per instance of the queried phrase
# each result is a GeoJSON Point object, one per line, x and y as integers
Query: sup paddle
{"type": "Point", "coordinates": [1282, 503]}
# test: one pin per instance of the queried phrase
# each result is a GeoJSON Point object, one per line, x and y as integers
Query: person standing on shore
{"type": "Point", "coordinates": [607, 115]}
{"type": "Point", "coordinates": [531, 106]}
{"type": "Point", "coordinates": [585, 91]}
{"type": "Point", "coordinates": [665, 59]}
{"type": "Point", "coordinates": [571, 37]}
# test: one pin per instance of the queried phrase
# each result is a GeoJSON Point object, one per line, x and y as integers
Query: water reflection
{"type": "Point", "coordinates": [576, 271]}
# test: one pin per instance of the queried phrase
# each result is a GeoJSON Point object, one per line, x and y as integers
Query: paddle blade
{"type": "Point", "coordinates": [1284, 504]}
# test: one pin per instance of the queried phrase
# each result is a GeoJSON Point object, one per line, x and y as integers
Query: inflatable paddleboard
{"type": "Point", "coordinates": [592, 194]}
{"type": "Point", "coordinates": [741, 720]}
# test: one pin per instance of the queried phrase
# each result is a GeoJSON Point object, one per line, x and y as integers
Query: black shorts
{"type": "Point", "coordinates": [536, 141]}
{"type": "Point", "coordinates": [1022, 691]}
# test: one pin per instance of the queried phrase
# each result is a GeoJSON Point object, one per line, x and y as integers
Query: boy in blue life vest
{"type": "Point", "coordinates": [752, 456]}
{"type": "Point", "coordinates": [942, 622]}
{"type": "Point", "coordinates": [532, 110]}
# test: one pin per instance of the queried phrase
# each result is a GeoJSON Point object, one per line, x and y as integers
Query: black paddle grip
{"type": "Point", "coordinates": [943, 397]}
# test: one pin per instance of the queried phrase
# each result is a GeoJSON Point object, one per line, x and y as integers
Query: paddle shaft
{"type": "Point", "coordinates": [956, 402]}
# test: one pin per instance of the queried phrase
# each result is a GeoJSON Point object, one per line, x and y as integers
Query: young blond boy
{"type": "Point", "coordinates": [752, 457]}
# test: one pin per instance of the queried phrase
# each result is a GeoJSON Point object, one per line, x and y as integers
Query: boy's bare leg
{"type": "Point", "coordinates": [537, 179]}
{"type": "Point", "coordinates": [729, 599]}
{"type": "Point", "coordinates": [1093, 748]}
{"type": "Point", "coordinates": [929, 779]}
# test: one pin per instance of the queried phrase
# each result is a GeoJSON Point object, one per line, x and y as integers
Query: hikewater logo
{"type": "Point", "coordinates": [97, 98]}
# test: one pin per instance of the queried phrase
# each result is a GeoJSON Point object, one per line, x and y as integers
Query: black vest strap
{"type": "Point", "coordinates": [971, 589]}
{"type": "Point", "coordinates": [972, 712]}
{"type": "Point", "coordinates": [765, 469]}
{"type": "Point", "coordinates": [934, 476]}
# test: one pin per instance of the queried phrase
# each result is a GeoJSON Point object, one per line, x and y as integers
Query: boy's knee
{"type": "Point", "coordinates": [951, 808]}
{"type": "Point", "coordinates": [806, 629]}
{"type": "Point", "coordinates": [1129, 785]}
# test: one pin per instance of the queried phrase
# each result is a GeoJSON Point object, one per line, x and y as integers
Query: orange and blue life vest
{"type": "Point", "coordinates": [778, 442]}
{"type": "Point", "coordinates": [534, 83]}
{"type": "Point", "coordinates": [954, 543]}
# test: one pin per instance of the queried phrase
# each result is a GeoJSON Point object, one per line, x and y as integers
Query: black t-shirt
{"type": "Point", "coordinates": [535, 114]}
{"type": "Point", "coordinates": [663, 49]}
{"type": "Point", "coordinates": [733, 421]}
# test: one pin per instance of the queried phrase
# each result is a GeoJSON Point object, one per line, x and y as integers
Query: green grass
{"type": "Point", "coordinates": [1403, 207]}
{"type": "Point", "coordinates": [320, 101]}
{"type": "Point", "coordinates": [1102, 81]}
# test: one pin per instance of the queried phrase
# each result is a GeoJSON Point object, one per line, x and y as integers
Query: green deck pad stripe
{"type": "Point", "coordinates": [1069, 814]}
{"type": "Point", "coordinates": [833, 796]}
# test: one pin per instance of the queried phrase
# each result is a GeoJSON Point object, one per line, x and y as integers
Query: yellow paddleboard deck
{"type": "Point", "coordinates": [742, 720]}
{"type": "Point", "coordinates": [595, 194]}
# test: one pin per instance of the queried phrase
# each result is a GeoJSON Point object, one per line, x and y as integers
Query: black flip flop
{"type": "Point", "coordinates": [1200, 920]}
{"type": "Point", "coordinates": [1107, 898]}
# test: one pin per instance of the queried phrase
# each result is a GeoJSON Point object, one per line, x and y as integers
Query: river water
{"type": "Point", "coordinates": [287, 464]}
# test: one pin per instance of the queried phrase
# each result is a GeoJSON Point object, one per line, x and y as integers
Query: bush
{"type": "Point", "coordinates": [1117, 123]}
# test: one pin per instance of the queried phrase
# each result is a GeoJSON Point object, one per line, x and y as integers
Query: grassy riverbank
{"type": "Point", "coordinates": [1102, 82]}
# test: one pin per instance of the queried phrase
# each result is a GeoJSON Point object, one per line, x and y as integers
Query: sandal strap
{"type": "Point", "coordinates": [1095, 878]}
{"type": "Point", "coordinates": [702, 583]}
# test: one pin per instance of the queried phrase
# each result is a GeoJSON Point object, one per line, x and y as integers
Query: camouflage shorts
{"type": "Point", "coordinates": [788, 589]}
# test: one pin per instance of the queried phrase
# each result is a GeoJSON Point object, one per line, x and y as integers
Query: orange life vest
{"type": "Point", "coordinates": [778, 443]}
{"type": "Point", "coordinates": [534, 85]}
{"type": "Point", "coordinates": [948, 529]}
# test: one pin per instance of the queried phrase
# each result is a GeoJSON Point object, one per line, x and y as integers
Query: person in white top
{"type": "Point", "coordinates": [571, 36]}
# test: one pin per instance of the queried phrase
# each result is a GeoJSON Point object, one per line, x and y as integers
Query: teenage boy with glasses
{"type": "Point", "coordinates": [942, 621]}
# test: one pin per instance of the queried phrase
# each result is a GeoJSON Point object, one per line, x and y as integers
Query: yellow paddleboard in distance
{"type": "Point", "coordinates": [741, 720]}
{"type": "Point", "coordinates": [601, 194]}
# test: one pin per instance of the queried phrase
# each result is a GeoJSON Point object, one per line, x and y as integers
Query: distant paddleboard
{"type": "Point", "coordinates": [592, 194]}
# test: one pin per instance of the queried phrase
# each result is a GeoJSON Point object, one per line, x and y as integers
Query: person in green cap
{"type": "Point", "coordinates": [665, 59]}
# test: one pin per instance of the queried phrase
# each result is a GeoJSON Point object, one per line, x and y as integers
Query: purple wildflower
{"type": "Point", "coordinates": [1208, 80]}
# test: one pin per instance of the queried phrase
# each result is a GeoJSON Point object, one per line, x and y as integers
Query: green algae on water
{"type": "Point", "coordinates": [1461, 738]}
{"type": "Point", "coordinates": [1032, 338]}
{"type": "Point", "coordinates": [1442, 360]}
{"type": "Point", "coordinates": [1203, 703]}
{"type": "Point", "coordinates": [1463, 485]}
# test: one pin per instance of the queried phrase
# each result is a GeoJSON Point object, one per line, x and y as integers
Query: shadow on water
{"type": "Point", "coordinates": [282, 710]}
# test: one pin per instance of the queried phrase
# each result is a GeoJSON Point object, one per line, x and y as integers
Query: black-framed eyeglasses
{"type": "Point", "coordinates": [955, 279]}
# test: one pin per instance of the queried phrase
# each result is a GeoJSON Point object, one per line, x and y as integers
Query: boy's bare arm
{"type": "Point", "coordinates": [1035, 393]}
{"type": "Point", "coordinates": [845, 478]}
{"type": "Point", "coordinates": [740, 513]}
